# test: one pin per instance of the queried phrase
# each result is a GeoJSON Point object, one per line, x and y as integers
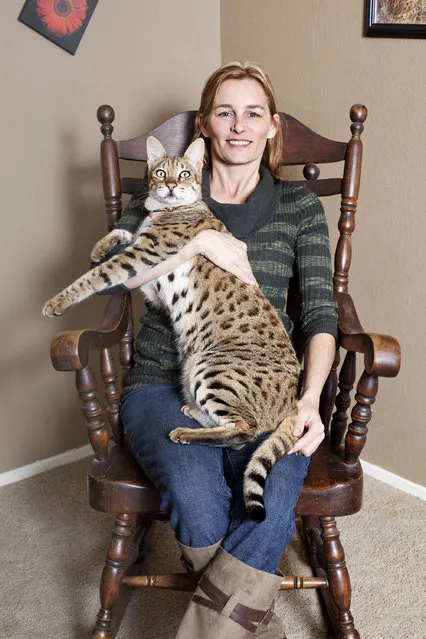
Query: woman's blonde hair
{"type": "Point", "coordinates": [272, 155]}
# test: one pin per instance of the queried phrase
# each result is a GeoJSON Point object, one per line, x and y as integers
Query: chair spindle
{"type": "Point", "coordinates": [183, 581]}
{"type": "Point", "coordinates": [356, 436]}
{"type": "Point", "coordinates": [343, 400]}
{"type": "Point", "coordinates": [350, 189]}
{"type": "Point", "coordinates": [329, 392]}
{"type": "Point", "coordinates": [110, 168]}
{"type": "Point", "coordinates": [127, 343]}
{"type": "Point", "coordinates": [112, 392]}
{"type": "Point", "coordinates": [93, 412]}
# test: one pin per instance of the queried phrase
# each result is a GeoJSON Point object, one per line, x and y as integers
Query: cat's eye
{"type": "Point", "coordinates": [184, 174]}
{"type": "Point", "coordinates": [160, 173]}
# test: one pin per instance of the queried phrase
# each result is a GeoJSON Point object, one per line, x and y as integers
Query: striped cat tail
{"type": "Point", "coordinates": [261, 463]}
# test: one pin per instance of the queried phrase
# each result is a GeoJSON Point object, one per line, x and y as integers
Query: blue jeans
{"type": "Point", "coordinates": [201, 486]}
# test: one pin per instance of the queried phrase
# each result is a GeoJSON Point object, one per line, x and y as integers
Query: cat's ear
{"type": "Point", "coordinates": [195, 154]}
{"type": "Point", "coordinates": [155, 151]}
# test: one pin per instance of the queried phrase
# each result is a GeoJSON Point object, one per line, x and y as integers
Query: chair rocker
{"type": "Point", "coordinates": [333, 486]}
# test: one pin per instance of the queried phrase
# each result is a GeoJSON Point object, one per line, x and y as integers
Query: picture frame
{"type": "Point", "coordinates": [60, 21]}
{"type": "Point", "coordinates": [395, 19]}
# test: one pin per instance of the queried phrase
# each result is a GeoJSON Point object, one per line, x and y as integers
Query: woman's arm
{"type": "Point", "coordinates": [318, 320]}
{"type": "Point", "coordinates": [222, 249]}
{"type": "Point", "coordinates": [318, 358]}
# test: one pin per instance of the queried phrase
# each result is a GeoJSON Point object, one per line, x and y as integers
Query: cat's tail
{"type": "Point", "coordinates": [261, 463]}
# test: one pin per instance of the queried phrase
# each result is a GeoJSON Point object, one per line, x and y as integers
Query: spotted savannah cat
{"type": "Point", "coordinates": [239, 370]}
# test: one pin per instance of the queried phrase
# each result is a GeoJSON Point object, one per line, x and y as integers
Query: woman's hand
{"type": "Point", "coordinates": [224, 250]}
{"type": "Point", "coordinates": [308, 422]}
{"type": "Point", "coordinates": [170, 264]}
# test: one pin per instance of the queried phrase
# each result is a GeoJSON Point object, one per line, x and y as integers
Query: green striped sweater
{"type": "Point", "coordinates": [286, 233]}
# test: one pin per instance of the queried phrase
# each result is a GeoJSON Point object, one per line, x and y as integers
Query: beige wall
{"type": "Point", "coordinates": [321, 65]}
{"type": "Point", "coordinates": [154, 67]}
{"type": "Point", "coordinates": [149, 60]}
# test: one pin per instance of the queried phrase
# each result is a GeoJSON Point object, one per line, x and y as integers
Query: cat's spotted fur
{"type": "Point", "coordinates": [239, 370]}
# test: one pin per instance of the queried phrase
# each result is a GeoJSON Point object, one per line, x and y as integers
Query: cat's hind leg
{"type": "Point", "coordinates": [198, 415]}
{"type": "Point", "coordinates": [202, 418]}
{"type": "Point", "coordinates": [231, 431]}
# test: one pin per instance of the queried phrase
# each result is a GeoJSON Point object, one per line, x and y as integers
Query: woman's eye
{"type": "Point", "coordinates": [160, 173]}
{"type": "Point", "coordinates": [224, 114]}
{"type": "Point", "coordinates": [253, 114]}
{"type": "Point", "coordinates": [184, 174]}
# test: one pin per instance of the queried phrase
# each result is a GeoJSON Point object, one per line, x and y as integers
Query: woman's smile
{"type": "Point", "coordinates": [239, 142]}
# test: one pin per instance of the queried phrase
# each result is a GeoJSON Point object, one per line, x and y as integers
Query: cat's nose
{"type": "Point", "coordinates": [171, 185]}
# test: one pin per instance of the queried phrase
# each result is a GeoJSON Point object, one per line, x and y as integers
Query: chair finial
{"type": "Point", "coordinates": [358, 113]}
{"type": "Point", "coordinates": [106, 115]}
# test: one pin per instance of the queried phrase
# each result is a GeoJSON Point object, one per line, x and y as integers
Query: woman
{"type": "Point", "coordinates": [276, 228]}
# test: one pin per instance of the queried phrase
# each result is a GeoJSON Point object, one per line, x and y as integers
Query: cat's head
{"type": "Point", "coordinates": [174, 181]}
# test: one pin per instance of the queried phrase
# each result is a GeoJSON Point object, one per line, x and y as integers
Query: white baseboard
{"type": "Point", "coordinates": [12, 476]}
{"type": "Point", "coordinates": [417, 490]}
{"type": "Point", "coordinates": [43, 465]}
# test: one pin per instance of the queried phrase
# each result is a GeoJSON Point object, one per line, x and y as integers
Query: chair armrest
{"type": "Point", "coordinates": [69, 350]}
{"type": "Point", "coordinates": [382, 353]}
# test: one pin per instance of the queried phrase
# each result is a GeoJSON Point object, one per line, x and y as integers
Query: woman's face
{"type": "Point", "coordinates": [240, 123]}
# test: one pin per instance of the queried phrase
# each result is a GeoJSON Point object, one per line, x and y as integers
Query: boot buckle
{"type": "Point", "coordinates": [248, 618]}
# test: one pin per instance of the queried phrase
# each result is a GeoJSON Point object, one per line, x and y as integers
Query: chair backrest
{"type": "Point", "coordinates": [302, 146]}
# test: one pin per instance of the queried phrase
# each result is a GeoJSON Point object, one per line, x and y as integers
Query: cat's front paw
{"type": "Point", "coordinates": [177, 436]}
{"type": "Point", "coordinates": [109, 242]}
{"type": "Point", "coordinates": [56, 306]}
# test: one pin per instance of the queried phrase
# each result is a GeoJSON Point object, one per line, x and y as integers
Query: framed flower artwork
{"type": "Point", "coordinates": [61, 21]}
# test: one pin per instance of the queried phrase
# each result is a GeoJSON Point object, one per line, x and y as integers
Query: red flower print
{"type": "Point", "coordinates": [62, 17]}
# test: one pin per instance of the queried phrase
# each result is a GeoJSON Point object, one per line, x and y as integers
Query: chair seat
{"type": "Point", "coordinates": [331, 489]}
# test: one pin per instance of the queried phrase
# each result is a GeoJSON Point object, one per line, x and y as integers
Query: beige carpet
{"type": "Point", "coordinates": [52, 551]}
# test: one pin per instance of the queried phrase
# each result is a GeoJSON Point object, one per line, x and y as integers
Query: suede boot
{"type": "Point", "coordinates": [195, 560]}
{"type": "Point", "coordinates": [232, 601]}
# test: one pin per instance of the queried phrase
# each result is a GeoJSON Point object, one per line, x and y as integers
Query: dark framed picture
{"type": "Point", "coordinates": [61, 21]}
{"type": "Point", "coordinates": [395, 18]}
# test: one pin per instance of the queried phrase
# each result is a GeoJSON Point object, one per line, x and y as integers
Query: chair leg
{"type": "Point", "coordinates": [338, 578]}
{"type": "Point", "coordinates": [121, 555]}
{"type": "Point", "coordinates": [313, 541]}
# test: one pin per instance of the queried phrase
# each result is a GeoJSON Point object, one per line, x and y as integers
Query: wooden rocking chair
{"type": "Point", "coordinates": [333, 486]}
